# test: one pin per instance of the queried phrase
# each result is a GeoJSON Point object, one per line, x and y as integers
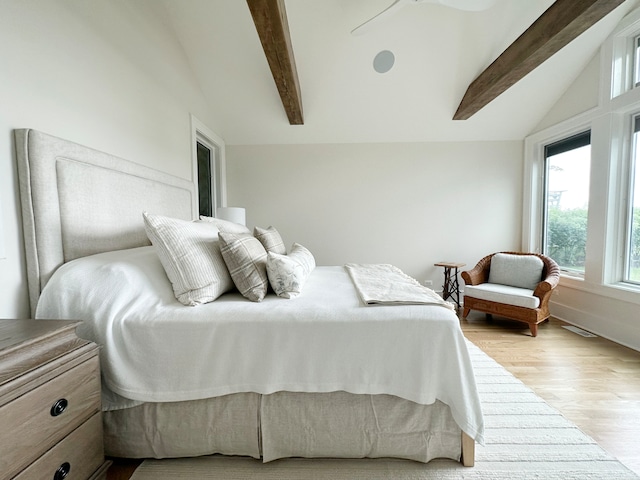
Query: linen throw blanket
{"type": "Point", "coordinates": [384, 284]}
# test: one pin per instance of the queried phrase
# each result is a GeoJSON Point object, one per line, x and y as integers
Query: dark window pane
{"type": "Point", "coordinates": [204, 181]}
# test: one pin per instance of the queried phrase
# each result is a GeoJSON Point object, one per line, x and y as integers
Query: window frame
{"type": "Point", "coordinates": [534, 181]}
{"type": "Point", "coordinates": [200, 133]}
{"type": "Point", "coordinates": [636, 61]}
{"type": "Point", "coordinates": [630, 167]}
{"type": "Point", "coordinates": [578, 140]}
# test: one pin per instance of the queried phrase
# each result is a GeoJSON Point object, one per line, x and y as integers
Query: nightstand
{"type": "Point", "coordinates": [50, 419]}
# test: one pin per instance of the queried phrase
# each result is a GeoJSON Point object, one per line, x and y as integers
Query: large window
{"type": "Point", "coordinates": [566, 201]}
{"type": "Point", "coordinates": [632, 270]}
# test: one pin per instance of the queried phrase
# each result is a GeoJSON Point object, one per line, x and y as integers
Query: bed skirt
{"type": "Point", "coordinates": [285, 424]}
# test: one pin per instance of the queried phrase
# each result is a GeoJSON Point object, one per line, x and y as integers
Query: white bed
{"type": "Point", "coordinates": [320, 375]}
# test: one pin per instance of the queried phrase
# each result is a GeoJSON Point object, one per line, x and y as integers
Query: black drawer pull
{"type": "Point", "coordinates": [58, 409]}
{"type": "Point", "coordinates": [63, 471]}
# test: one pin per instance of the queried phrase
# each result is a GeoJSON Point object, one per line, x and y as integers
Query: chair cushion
{"type": "Point", "coordinates": [523, 271]}
{"type": "Point", "coordinates": [520, 297]}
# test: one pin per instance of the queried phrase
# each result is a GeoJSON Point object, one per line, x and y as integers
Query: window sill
{"type": "Point", "coordinates": [618, 291]}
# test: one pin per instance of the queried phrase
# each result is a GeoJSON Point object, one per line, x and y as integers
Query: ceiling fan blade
{"type": "Point", "coordinates": [469, 5]}
{"type": "Point", "coordinates": [387, 12]}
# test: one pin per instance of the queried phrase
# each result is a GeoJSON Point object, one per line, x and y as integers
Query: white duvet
{"type": "Point", "coordinates": [157, 350]}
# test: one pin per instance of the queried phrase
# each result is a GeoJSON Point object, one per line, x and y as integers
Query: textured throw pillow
{"type": "Point", "coordinates": [288, 273]}
{"type": "Point", "coordinates": [246, 260]}
{"type": "Point", "coordinates": [225, 225]}
{"type": "Point", "coordinates": [523, 271]}
{"type": "Point", "coordinates": [271, 239]}
{"type": "Point", "coordinates": [190, 255]}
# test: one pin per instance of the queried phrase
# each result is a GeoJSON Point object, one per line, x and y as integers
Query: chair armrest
{"type": "Point", "coordinates": [550, 282]}
{"type": "Point", "coordinates": [478, 274]}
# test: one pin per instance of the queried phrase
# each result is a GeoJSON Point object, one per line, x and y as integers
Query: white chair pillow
{"type": "Point", "coordinates": [523, 271]}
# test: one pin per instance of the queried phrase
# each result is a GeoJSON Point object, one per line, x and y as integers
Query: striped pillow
{"type": "Point", "coordinates": [271, 239]}
{"type": "Point", "coordinates": [190, 255]}
{"type": "Point", "coordinates": [246, 260]}
{"type": "Point", "coordinates": [225, 225]}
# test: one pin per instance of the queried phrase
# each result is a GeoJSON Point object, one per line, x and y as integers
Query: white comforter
{"type": "Point", "coordinates": [158, 350]}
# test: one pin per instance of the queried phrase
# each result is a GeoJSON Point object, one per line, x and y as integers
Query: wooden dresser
{"type": "Point", "coordinates": [50, 419]}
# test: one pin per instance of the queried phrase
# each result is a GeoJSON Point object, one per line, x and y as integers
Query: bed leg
{"type": "Point", "coordinates": [468, 451]}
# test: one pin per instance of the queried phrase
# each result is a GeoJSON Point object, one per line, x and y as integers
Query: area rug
{"type": "Point", "coordinates": [526, 439]}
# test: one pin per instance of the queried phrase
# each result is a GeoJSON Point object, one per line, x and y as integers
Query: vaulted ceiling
{"type": "Point", "coordinates": [438, 52]}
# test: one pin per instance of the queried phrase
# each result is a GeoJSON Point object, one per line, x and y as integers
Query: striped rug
{"type": "Point", "coordinates": [526, 439]}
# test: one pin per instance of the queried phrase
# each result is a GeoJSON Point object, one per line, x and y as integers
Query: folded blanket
{"type": "Point", "coordinates": [383, 284]}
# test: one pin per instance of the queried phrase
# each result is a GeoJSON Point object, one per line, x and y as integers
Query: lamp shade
{"type": "Point", "coordinates": [232, 214]}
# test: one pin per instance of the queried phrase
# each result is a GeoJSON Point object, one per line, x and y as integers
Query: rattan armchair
{"type": "Point", "coordinates": [532, 316]}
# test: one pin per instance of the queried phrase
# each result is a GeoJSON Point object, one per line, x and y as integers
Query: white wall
{"type": "Point", "coordinates": [409, 204]}
{"type": "Point", "coordinates": [104, 73]}
{"type": "Point", "coordinates": [581, 96]}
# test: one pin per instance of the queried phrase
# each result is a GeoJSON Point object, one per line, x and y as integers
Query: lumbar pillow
{"type": "Point", "coordinates": [288, 273]}
{"type": "Point", "coordinates": [225, 225]}
{"type": "Point", "coordinates": [246, 260]}
{"type": "Point", "coordinates": [271, 239]}
{"type": "Point", "coordinates": [524, 271]}
{"type": "Point", "coordinates": [190, 255]}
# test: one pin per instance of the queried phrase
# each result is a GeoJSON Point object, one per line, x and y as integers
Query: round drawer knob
{"type": "Point", "coordinates": [58, 408]}
{"type": "Point", "coordinates": [63, 471]}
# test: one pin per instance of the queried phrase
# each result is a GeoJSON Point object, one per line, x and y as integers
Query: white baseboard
{"type": "Point", "coordinates": [624, 334]}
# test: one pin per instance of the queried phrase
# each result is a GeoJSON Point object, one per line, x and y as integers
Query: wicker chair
{"type": "Point", "coordinates": [543, 290]}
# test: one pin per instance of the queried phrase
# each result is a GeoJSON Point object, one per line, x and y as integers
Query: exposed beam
{"type": "Point", "coordinates": [559, 25]}
{"type": "Point", "coordinates": [270, 19]}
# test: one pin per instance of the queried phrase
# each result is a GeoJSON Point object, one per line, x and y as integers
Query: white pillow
{"type": "Point", "coordinates": [271, 239]}
{"type": "Point", "coordinates": [523, 271]}
{"type": "Point", "coordinates": [225, 225]}
{"type": "Point", "coordinates": [288, 273]}
{"type": "Point", "coordinates": [246, 260]}
{"type": "Point", "coordinates": [190, 255]}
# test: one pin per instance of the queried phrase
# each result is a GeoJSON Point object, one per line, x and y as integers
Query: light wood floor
{"type": "Point", "coordinates": [593, 382]}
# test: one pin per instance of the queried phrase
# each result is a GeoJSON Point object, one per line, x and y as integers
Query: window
{"type": "Point", "coordinates": [632, 264]}
{"type": "Point", "coordinates": [208, 157]}
{"type": "Point", "coordinates": [567, 166]}
{"type": "Point", "coordinates": [636, 57]}
{"type": "Point", "coordinates": [205, 180]}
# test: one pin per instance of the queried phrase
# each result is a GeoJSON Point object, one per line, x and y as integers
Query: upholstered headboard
{"type": "Point", "coordinates": [77, 201]}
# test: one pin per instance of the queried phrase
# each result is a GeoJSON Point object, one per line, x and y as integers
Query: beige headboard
{"type": "Point", "coordinates": [77, 201]}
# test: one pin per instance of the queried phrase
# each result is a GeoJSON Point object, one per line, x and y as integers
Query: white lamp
{"type": "Point", "coordinates": [232, 214]}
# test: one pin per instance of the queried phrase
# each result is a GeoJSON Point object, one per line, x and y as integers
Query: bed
{"type": "Point", "coordinates": [323, 374]}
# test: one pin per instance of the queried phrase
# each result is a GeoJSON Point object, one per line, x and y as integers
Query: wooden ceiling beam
{"type": "Point", "coordinates": [559, 25]}
{"type": "Point", "coordinates": [270, 19]}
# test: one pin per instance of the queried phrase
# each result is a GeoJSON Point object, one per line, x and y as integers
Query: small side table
{"type": "Point", "coordinates": [451, 287]}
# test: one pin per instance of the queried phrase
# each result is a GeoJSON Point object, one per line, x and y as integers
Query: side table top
{"type": "Point", "coordinates": [449, 264]}
{"type": "Point", "coordinates": [14, 333]}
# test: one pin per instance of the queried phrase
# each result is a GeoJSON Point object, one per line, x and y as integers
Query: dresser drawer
{"type": "Point", "coordinates": [79, 455]}
{"type": "Point", "coordinates": [37, 420]}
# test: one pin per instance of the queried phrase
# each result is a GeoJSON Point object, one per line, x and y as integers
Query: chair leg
{"type": "Point", "coordinates": [534, 329]}
{"type": "Point", "coordinates": [465, 312]}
